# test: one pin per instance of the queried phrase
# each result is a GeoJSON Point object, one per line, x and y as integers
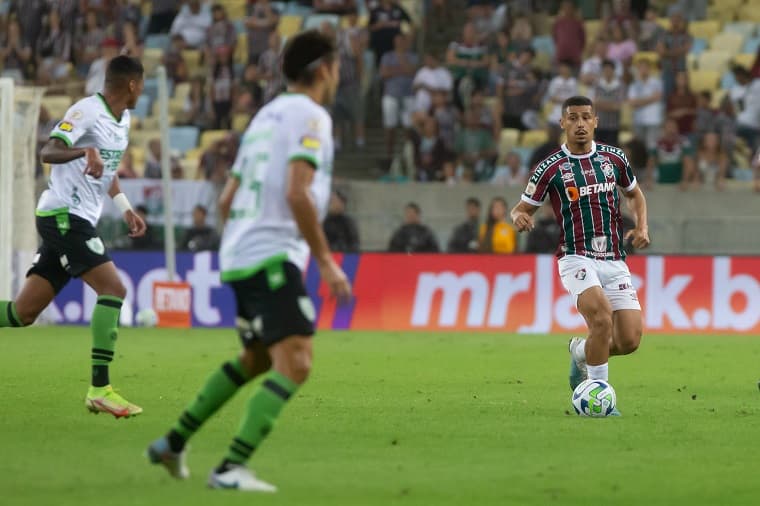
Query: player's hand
{"type": "Point", "coordinates": [94, 163]}
{"type": "Point", "coordinates": [336, 279]}
{"type": "Point", "coordinates": [639, 237]}
{"type": "Point", "coordinates": [137, 226]}
{"type": "Point", "coordinates": [523, 221]}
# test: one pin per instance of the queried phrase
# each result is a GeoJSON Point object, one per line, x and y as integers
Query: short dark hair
{"type": "Point", "coordinates": [140, 208]}
{"type": "Point", "coordinates": [473, 201]}
{"type": "Point", "coordinates": [123, 69]}
{"type": "Point", "coordinates": [415, 207]}
{"type": "Point", "coordinates": [576, 101]}
{"type": "Point", "coordinates": [199, 207]}
{"type": "Point", "coordinates": [304, 53]}
{"type": "Point", "coordinates": [608, 63]}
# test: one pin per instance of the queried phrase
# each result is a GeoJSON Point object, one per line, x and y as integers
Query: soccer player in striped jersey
{"type": "Point", "coordinates": [581, 180]}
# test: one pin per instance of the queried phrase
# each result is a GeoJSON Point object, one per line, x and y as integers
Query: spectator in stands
{"type": "Point", "coordinates": [704, 115]}
{"type": "Point", "coordinates": [712, 162]}
{"type": "Point", "coordinates": [638, 156]}
{"type": "Point", "coordinates": [29, 14]}
{"type": "Point", "coordinates": [756, 65]}
{"type": "Point", "coordinates": [200, 237]}
{"type": "Point", "coordinates": [430, 78]}
{"type": "Point", "coordinates": [464, 238]}
{"type": "Point", "coordinates": [96, 76]}
{"type": "Point", "coordinates": [645, 97]}
{"type": "Point", "coordinates": [147, 241]}
{"type": "Point", "coordinates": [397, 70]}
{"type": "Point", "coordinates": [126, 11]}
{"type": "Point", "coordinates": [384, 25]}
{"type": "Point", "coordinates": [446, 117]}
{"type": "Point", "coordinates": [591, 70]}
{"type": "Point", "coordinates": [339, 7]}
{"type": "Point", "coordinates": [469, 62]}
{"type": "Point", "coordinates": [620, 15]}
{"type": "Point", "coordinates": [487, 114]}
{"type": "Point", "coordinates": [756, 167]}
{"type": "Point", "coordinates": [501, 53]}
{"type": "Point", "coordinates": [193, 22]}
{"type": "Point", "coordinates": [609, 94]}
{"type": "Point", "coordinates": [497, 235]}
{"type": "Point", "coordinates": [673, 47]}
{"type": "Point", "coordinates": [53, 51]}
{"type": "Point", "coordinates": [348, 109]}
{"type": "Point", "coordinates": [261, 22]}
{"type": "Point", "coordinates": [217, 159]}
{"type": "Point", "coordinates": [270, 69]}
{"type": "Point", "coordinates": [15, 53]}
{"type": "Point", "coordinates": [512, 172]}
{"type": "Point", "coordinates": [153, 160]}
{"type": "Point", "coordinates": [222, 88]}
{"type": "Point", "coordinates": [746, 99]}
{"type": "Point", "coordinates": [520, 91]}
{"type": "Point", "coordinates": [476, 148]}
{"type": "Point", "coordinates": [413, 236]}
{"type": "Point", "coordinates": [672, 157]}
{"type": "Point", "coordinates": [521, 35]}
{"type": "Point", "coordinates": [130, 40]}
{"type": "Point", "coordinates": [221, 34]}
{"type": "Point", "coordinates": [340, 229]}
{"type": "Point", "coordinates": [650, 31]}
{"type": "Point", "coordinates": [569, 35]}
{"type": "Point", "coordinates": [127, 166]}
{"type": "Point", "coordinates": [480, 14]}
{"type": "Point", "coordinates": [682, 105]}
{"type": "Point", "coordinates": [561, 87]}
{"type": "Point", "coordinates": [553, 134]}
{"type": "Point", "coordinates": [162, 14]}
{"type": "Point", "coordinates": [88, 42]}
{"type": "Point", "coordinates": [430, 153]}
{"type": "Point", "coordinates": [694, 9]}
{"type": "Point", "coordinates": [176, 69]}
{"type": "Point", "coordinates": [544, 238]}
{"type": "Point", "coordinates": [250, 94]}
{"type": "Point", "coordinates": [622, 47]}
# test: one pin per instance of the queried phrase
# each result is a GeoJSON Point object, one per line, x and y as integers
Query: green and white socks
{"type": "Point", "coordinates": [105, 329]}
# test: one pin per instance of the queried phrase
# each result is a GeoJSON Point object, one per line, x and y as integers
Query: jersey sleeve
{"type": "Point", "coordinates": [627, 179]}
{"type": "Point", "coordinates": [538, 186]}
{"type": "Point", "coordinates": [75, 123]}
{"type": "Point", "coordinates": [307, 135]}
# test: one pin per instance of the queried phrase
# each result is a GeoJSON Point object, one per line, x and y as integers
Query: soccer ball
{"type": "Point", "coordinates": [594, 398]}
{"type": "Point", "coordinates": [146, 317]}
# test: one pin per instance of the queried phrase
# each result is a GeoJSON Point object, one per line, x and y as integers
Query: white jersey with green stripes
{"type": "Point", "coordinates": [88, 123]}
{"type": "Point", "coordinates": [261, 228]}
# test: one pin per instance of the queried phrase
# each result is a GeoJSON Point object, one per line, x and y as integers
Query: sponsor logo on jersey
{"type": "Point", "coordinates": [65, 126]}
{"type": "Point", "coordinates": [580, 274]}
{"type": "Point", "coordinates": [567, 176]}
{"type": "Point", "coordinates": [310, 142]}
{"type": "Point", "coordinates": [530, 189]}
{"type": "Point", "coordinates": [572, 193]}
{"type": "Point", "coordinates": [599, 243]}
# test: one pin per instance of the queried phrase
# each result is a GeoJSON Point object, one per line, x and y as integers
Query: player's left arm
{"type": "Point", "coordinates": [137, 226]}
{"type": "Point", "coordinates": [638, 204]}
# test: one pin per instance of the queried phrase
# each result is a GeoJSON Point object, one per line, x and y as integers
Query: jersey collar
{"type": "Point", "coordinates": [108, 108]}
{"type": "Point", "coordinates": [586, 155]}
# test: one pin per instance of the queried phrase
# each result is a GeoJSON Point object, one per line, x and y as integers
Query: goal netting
{"type": "Point", "coordinates": [19, 114]}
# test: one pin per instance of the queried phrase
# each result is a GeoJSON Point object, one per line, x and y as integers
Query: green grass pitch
{"type": "Point", "coordinates": [391, 419]}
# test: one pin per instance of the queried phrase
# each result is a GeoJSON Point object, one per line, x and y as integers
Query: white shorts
{"type": "Point", "coordinates": [397, 112]}
{"type": "Point", "coordinates": [578, 273]}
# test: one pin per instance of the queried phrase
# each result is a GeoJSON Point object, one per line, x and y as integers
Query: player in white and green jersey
{"type": "Point", "coordinates": [274, 204]}
{"type": "Point", "coordinates": [84, 150]}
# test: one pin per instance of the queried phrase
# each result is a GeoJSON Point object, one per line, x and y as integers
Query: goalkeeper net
{"type": "Point", "coordinates": [19, 115]}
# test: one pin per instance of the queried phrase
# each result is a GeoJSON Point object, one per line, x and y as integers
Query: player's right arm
{"type": "Point", "coordinates": [301, 202]}
{"type": "Point", "coordinates": [60, 147]}
{"type": "Point", "coordinates": [522, 216]}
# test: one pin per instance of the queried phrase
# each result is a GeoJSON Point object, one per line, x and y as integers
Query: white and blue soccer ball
{"type": "Point", "coordinates": [594, 397]}
{"type": "Point", "coordinates": [146, 317]}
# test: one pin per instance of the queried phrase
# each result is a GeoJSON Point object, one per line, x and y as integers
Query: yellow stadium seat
{"type": "Point", "coordinates": [701, 80]}
{"type": "Point", "coordinates": [749, 12]}
{"type": "Point", "coordinates": [727, 41]}
{"type": "Point", "coordinates": [181, 91]}
{"type": "Point", "coordinates": [714, 60]}
{"type": "Point", "coordinates": [704, 29]}
{"type": "Point", "coordinates": [151, 59]}
{"type": "Point", "coordinates": [746, 60]}
{"type": "Point", "coordinates": [508, 140]}
{"type": "Point", "coordinates": [194, 154]}
{"type": "Point", "coordinates": [289, 25]}
{"type": "Point", "coordinates": [241, 49]}
{"type": "Point", "coordinates": [626, 116]}
{"type": "Point", "coordinates": [664, 22]}
{"type": "Point", "coordinates": [720, 13]}
{"type": "Point", "coordinates": [625, 137]}
{"type": "Point", "coordinates": [651, 56]}
{"type": "Point", "coordinates": [192, 58]}
{"type": "Point", "coordinates": [533, 138]}
{"type": "Point", "coordinates": [57, 105]}
{"type": "Point", "coordinates": [235, 10]}
{"type": "Point", "coordinates": [592, 27]}
{"type": "Point", "coordinates": [211, 136]}
{"type": "Point", "coordinates": [717, 97]}
{"type": "Point", "coordinates": [240, 121]}
{"type": "Point", "coordinates": [362, 21]}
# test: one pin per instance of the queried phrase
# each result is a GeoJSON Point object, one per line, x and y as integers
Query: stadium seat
{"type": "Point", "coordinates": [664, 22]}
{"type": "Point", "coordinates": [151, 59]}
{"type": "Point", "coordinates": [706, 29]}
{"type": "Point", "coordinates": [751, 45]}
{"type": "Point", "coordinates": [625, 137]}
{"type": "Point", "coordinates": [181, 91]}
{"type": "Point", "coordinates": [192, 59]}
{"type": "Point", "coordinates": [714, 60]}
{"type": "Point", "coordinates": [727, 41]}
{"type": "Point", "coordinates": [746, 60]}
{"type": "Point", "coordinates": [157, 41]}
{"type": "Point", "coordinates": [56, 105]}
{"type": "Point", "coordinates": [142, 107]}
{"type": "Point", "coordinates": [211, 136]}
{"type": "Point", "coordinates": [749, 12]}
{"type": "Point", "coordinates": [701, 80]}
{"type": "Point", "coordinates": [652, 56]}
{"type": "Point", "coordinates": [544, 44]}
{"type": "Point", "coordinates": [150, 88]}
{"type": "Point", "coordinates": [241, 49]}
{"type": "Point", "coordinates": [508, 140]}
{"type": "Point", "coordinates": [289, 25]}
{"type": "Point", "coordinates": [183, 138]}
{"type": "Point", "coordinates": [697, 46]}
{"type": "Point", "coordinates": [717, 98]}
{"type": "Point", "coordinates": [315, 21]}
{"type": "Point", "coordinates": [363, 21]}
{"type": "Point", "coordinates": [745, 28]}
{"type": "Point", "coordinates": [240, 122]}
{"type": "Point", "coordinates": [533, 138]}
{"type": "Point", "coordinates": [525, 154]}
{"type": "Point", "coordinates": [592, 27]}
{"type": "Point", "coordinates": [626, 116]}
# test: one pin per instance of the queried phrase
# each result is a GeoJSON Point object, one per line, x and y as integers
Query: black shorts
{"type": "Point", "coordinates": [70, 247]}
{"type": "Point", "coordinates": [274, 305]}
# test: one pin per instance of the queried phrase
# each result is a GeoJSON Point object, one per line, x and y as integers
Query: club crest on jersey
{"type": "Point", "coordinates": [65, 126]}
{"type": "Point", "coordinates": [96, 245]}
{"type": "Point", "coordinates": [580, 274]}
{"type": "Point", "coordinates": [599, 243]}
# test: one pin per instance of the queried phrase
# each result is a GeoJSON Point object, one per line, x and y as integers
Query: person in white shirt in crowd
{"type": "Point", "coordinates": [96, 75]}
{"type": "Point", "coordinates": [609, 94]}
{"type": "Point", "coordinates": [645, 97]}
{"type": "Point", "coordinates": [745, 96]}
{"type": "Point", "coordinates": [430, 78]}
{"type": "Point", "coordinates": [513, 172]}
{"type": "Point", "coordinates": [561, 87]}
{"type": "Point", "coordinates": [397, 69]}
{"type": "Point", "coordinates": [591, 70]}
{"type": "Point", "coordinates": [193, 22]}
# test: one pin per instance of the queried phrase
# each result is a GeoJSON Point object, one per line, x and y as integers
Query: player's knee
{"type": "Point", "coordinates": [630, 341]}
{"type": "Point", "coordinates": [300, 367]}
{"type": "Point", "coordinates": [26, 315]}
{"type": "Point", "coordinates": [115, 289]}
{"type": "Point", "coordinates": [601, 323]}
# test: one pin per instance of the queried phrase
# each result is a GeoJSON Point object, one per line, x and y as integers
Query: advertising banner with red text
{"type": "Point", "coordinates": [524, 294]}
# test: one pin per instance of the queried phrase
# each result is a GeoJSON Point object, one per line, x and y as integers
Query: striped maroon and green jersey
{"type": "Point", "coordinates": [584, 195]}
